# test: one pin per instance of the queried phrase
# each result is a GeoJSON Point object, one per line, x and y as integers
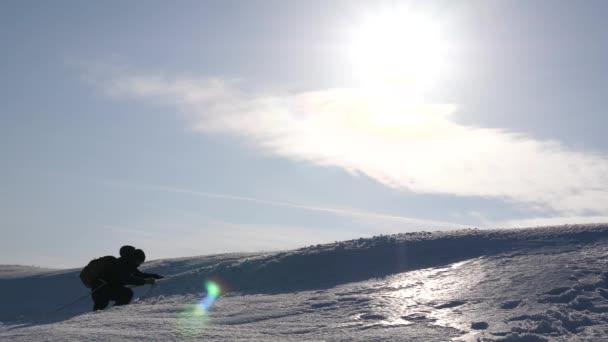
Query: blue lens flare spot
{"type": "Point", "coordinates": [193, 318]}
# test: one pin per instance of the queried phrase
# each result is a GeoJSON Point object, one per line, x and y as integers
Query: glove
{"type": "Point", "coordinates": [158, 276]}
{"type": "Point", "coordinates": [150, 281]}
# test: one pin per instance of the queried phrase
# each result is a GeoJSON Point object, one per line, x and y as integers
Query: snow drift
{"type": "Point", "coordinates": [532, 284]}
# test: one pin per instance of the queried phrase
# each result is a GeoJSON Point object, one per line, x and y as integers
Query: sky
{"type": "Point", "coordinates": [198, 127]}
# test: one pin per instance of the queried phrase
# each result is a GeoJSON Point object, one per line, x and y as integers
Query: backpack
{"type": "Point", "coordinates": [91, 272]}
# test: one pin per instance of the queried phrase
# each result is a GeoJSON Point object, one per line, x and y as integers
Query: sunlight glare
{"type": "Point", "coordinates": [398, 49]}
{"type": "Point", "coordinates": [397, 55]}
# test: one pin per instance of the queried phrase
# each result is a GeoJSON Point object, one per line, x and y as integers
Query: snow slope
{"type": "Point", "coordinates": [538, 284]}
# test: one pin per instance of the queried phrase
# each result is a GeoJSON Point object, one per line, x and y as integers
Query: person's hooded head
{"type": "Point", "coordinates": [127, 252]}
{"type": "Point", "coordinates": [132, 256]}
{"type": "Point", "coordinates": [139, 256]}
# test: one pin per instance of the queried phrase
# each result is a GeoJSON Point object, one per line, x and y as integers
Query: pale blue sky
{"type": "Point", "coordinates": [114, 126]}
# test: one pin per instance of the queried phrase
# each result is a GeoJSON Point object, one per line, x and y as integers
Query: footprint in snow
{"type": "Point", "coordinates": [356, 300]}
{"type": "Point", "coordinates": [563, 297]}
{"type": "Point", "coordinates": [603, 292]}
{"type": "Point", "coordinates": [321, 305]}
{"type": "Point", "coordinates": [557, 291]}
{"type": "Point", "coordinates": [417, 316]}
{"type": "Point", "coordinates": [450, 304]}
{"type": "Point", "coordinates": [372, 316]}
{"type": "Point", "coordinates": [512, 304]}
{"type": "Point", "coordinates": [479, 325]}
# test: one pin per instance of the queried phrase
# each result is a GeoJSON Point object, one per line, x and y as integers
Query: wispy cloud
{"type": "Point", "coordinates": [377, 221]}
{"type": "Point", "coordinates": [414, 147]}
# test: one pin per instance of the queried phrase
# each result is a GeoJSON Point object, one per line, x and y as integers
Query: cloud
{"type": "Point", "coordinates": [409, 146]}
{"type": "Point", "coordinates": [192, 233]}
{"type": "Point", "coordinates": [376, 221]}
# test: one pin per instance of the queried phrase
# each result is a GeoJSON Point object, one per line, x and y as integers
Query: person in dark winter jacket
{"type": "Point", "coordinates": [111, 283]}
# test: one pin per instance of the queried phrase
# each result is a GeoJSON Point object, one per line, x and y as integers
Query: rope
{"type": "Point", "coordinates": [95, 290]}
{"type": "Point", "coordinates": [77, 299]}
{"type": "Point", "coordinates": [181, 273]}
{"type": "Point", "coordinates": [65, 306]}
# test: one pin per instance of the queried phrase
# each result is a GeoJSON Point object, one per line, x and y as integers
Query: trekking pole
{"type": "Point", "coordinates": [146, 293]}
{"type": "Point", "coordinates": [153, 286]}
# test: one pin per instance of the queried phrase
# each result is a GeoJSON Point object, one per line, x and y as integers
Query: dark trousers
{"type": "Point", "coordinates": [119, 294]}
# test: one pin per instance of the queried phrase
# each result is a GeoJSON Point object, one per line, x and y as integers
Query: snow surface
{"type": "Point", "coordinates": [537, 284]}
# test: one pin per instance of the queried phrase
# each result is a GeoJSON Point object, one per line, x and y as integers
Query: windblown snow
{"type": "Point", "coordinates": [535, 284]}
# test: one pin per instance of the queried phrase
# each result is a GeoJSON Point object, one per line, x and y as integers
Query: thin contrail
{"type": "Point", "coordinates": [337, 211]}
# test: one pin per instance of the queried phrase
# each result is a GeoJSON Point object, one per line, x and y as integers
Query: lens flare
{"type": "Point", "coordinates": [193, 318]}
{"type": "Point", "coordinates": [213, 291]}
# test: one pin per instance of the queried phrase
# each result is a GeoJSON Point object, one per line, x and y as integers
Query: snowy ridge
{"type": "Point", "coordinates": [536, 284]}
{"type": "Point", "coordinates": [328, 265]}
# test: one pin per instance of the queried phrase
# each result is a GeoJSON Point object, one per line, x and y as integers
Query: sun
{"type": "Point", "coordinates": [398, 50]}
{"type": "Point", "coordinates": [396, 57]}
